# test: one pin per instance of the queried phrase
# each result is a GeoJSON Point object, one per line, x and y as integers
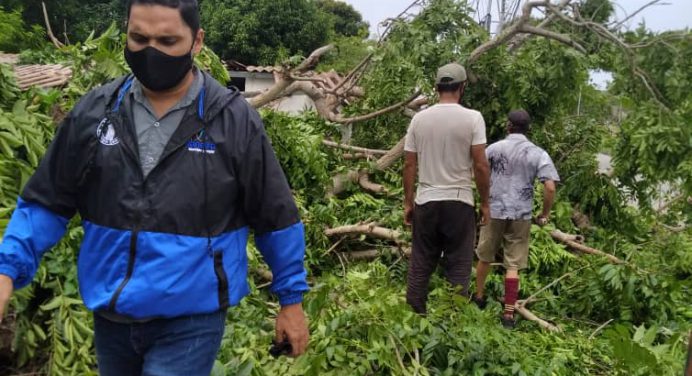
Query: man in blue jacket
{"type": "Point", "coordinates": [168, 171]}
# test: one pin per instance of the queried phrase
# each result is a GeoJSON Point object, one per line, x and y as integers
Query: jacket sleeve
{"type": "Point", "coordinates": [271, 212]}
{"type": "Point", "coordinates": [43, 210]}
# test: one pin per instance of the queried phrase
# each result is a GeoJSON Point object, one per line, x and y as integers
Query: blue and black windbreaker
{"type": "Point", "coordinates": [173, 243]}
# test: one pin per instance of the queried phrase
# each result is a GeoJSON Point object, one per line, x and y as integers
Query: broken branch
{"type": "Point", "coordinates": [562, 38]}
{"type": "Point", "coordinates": [372, 115]}
{"type": "Point", "coordinates": [525, 313]}
{"type": "Point", "coordinates": [569, 241]}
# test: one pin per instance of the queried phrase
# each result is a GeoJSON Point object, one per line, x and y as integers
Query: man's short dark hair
{"type": "Point", "coordinates": [189, 10]}
{"type": "Point", "coordinates": [448, 88]}
{"type": "Point", "coordinates": [520, 120]}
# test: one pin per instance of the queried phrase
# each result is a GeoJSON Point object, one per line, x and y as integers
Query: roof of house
{"type": "Point", "coordinates": [41, 75]}
{"type": "Point", "coordinates": [45, 76]}
{"type": "Point", "coordinates": [11, 59]}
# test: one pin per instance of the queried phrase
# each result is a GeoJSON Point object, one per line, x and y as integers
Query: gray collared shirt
{"type": "Point", "coordinates": [515, 163]}
{"type": "Point", "coordinates": [154, 133]}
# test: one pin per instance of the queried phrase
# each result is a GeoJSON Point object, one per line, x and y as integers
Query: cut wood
{"type": "Point", "coordinates": [366, 229]}
{"type": "Point", "coordinates": [569, 241]}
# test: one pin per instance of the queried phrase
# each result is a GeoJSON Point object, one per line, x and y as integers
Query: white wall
{"type": "Point", "coordinates": [294, 104]}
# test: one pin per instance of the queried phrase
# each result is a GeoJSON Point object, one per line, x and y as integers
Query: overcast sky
{"type": "Point", "coordinates": [675, 15]}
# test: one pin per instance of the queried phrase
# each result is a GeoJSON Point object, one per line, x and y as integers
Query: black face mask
{"type": "Point", "coordinates": [156, 70]}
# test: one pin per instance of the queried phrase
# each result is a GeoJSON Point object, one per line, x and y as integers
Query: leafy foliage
{"type": "Point", "coordinates": [264, 31]}
{"type": "Point", "coordinates": [655, 146]}
{"type": "Point", "coordinates": [347, 21]}
{"type": "Point", "coordinates": [15, 36]}
{"type": "Point", "coordinates": [71, 20]}
{"type": "Point", "coordinates": [360, 323]}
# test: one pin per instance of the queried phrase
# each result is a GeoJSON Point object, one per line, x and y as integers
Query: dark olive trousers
{"type": "Point", "coordinates": [442, 231]}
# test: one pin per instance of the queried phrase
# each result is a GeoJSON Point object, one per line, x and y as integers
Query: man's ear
{"type": "Point", "coordinates": [199, 42]}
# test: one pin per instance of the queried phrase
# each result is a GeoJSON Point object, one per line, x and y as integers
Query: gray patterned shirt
{"type": "Point", "coordinates": [515, 163]}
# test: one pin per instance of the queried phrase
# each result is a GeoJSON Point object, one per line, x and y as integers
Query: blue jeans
{"type": "Point", "coordinates": [179, 346]}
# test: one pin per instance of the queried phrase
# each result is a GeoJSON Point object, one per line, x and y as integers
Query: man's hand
{"type": "Point", "coordinates": [291, 325]}
{"type": "Point", "coordinates": [408, 214]}
{"type": "Point", "coordinates": [485, 214]}
{"type": "Point", "coordinates": [6, 288]}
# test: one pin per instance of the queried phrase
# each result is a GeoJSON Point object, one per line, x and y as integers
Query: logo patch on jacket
{"type": "Point", "coordinates": [197, 144]}
{"type": "Point", "coordinates": [106, 133]}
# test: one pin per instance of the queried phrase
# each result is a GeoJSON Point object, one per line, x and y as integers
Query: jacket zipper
{"type": "Point", "coordinates": [220, 273]}
{"type": "Point", "coordinates": [223, 280]}
{"type": "Point", "coordinates": [130, 269]}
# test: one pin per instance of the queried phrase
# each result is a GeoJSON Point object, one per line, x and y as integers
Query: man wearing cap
{"type": "Point", "coordinates": [515, 164]}
{"type": "Point", "coordinates": [445, 147]}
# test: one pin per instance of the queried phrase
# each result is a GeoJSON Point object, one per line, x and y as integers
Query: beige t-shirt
{"type": "Point", "coordinates": [442, 136]}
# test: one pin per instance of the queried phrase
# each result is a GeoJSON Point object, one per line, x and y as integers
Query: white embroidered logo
{"type": "Point", "coordinates": [106, 133]}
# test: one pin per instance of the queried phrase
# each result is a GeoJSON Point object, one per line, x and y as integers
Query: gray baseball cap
{"type": "Point", "coordinates": [451, 74]}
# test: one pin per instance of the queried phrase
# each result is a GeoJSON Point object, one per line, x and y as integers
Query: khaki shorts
{"type": "Point", "coordinates": [512, 235]}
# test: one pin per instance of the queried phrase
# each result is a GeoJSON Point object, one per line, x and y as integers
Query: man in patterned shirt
{"type": "Point", "coordinates": [515, 163]}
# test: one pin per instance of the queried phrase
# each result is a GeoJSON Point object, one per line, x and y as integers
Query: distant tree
{"type": "Point", "coordinates": [75, 19]}
{"type": "Point", "coordinates": [348, 22]}
{"type": "Point", "coordinates": [264, 31]}
{"type": "Point", "coordinates": [15, 35]}
{"type": "Point", "coordinates": [596, 10]}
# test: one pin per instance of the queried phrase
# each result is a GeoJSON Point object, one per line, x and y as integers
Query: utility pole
{"type": "Point", "coordinates": [488, 16]}
{"type": "Point", "coordinates": [503, 15]}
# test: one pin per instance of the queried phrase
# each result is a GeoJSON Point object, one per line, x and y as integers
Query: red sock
{"type": "Point", "coordinates": [511, 294]}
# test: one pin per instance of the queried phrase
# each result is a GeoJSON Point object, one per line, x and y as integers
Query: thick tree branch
{"type": "Point", "coordinates": [372, 115]}
{"type": "Point", "coordinates": [353, 76]}
{"type": "Point", "coordinates": [507, 33]}
{"type": "Point", "coordinates": [569, 241]}
{"type": "Point", "coordinates": [49, 30]}
{"type": "Point", "coordinates": [285, 78]}
{"type": "Point", "coordinates": [519, 40]}
{"type": "Point", "coordinates": [562, 38]}
{"type": "Point", "coordinates": [340, 182]}
{"type": "Point", "coordinates": [366, 229]}
{"type": "Point", "coordinates": [392, 156]}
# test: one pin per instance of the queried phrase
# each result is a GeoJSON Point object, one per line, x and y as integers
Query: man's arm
{"type": "Point", "coordinates": [279, 234]}
{"type": "Point", "coordinates": [548, 199]}
{"type": "Point", "coordinates": [547, 173]}
{"type": "Point", "coordinates": [410, 171]}
{"type": "Point", "coordinates": [481, 172]}
{"type": "Point", "coordinates": [43, 211]}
